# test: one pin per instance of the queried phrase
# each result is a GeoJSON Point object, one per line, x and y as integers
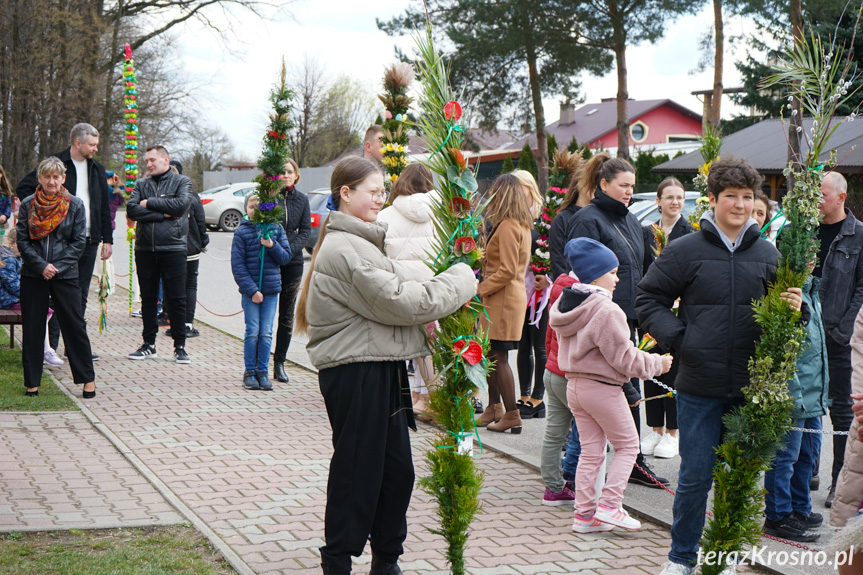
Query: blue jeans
{"type": "Point", "coordinates": [700, 422]}
{"type": "Point", "coordinates": [573, 452]}
{"type": "Point", "coordinates": [787, 481]}
{"type": "Point", "coordinates": [259, 331]}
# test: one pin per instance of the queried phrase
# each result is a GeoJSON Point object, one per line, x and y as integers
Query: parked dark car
{"type": "Point", "coordinates": [318, 205]}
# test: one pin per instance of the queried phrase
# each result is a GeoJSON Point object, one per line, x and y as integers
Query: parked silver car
{"type": "Point", "coordinates": [224, 206]}
{"type": "Point", "coordinates": [644, 207]}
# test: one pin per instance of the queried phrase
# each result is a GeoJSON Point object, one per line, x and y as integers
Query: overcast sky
{"type": "Point", "coordinates": [343, 36]}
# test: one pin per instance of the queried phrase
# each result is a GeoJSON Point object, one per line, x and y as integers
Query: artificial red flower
{"type": "Point", "coordinates": [452, 111]}
{"type": "Point", "coordinates": [276, 135]}
{"type": "Point", "coordinates": [458, 157]}
{"type": "Point", "coordinates": [460, 207]}
{"type": "Point", "coordinates": [473, 353]}
{"type": "Point", "coordinates": [463, 246]}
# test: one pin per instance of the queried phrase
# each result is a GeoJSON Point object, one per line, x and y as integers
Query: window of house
{"type": "Point", "coordinates": [638, 131]}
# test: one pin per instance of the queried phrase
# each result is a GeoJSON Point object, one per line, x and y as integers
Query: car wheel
{"type": "Point", "coordinates": [309, 250]}
{"type": "Point", "coordinates": [230, 220]}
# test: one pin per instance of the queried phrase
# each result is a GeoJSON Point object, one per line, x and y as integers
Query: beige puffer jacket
{"type": "Point", "coordinates": [359, 309]}
{"type": "Point", "coordinates": [849, 486]}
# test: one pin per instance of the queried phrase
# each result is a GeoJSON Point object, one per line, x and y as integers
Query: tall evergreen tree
{"type": "Point", "coordinates": [527, 160]}
{"type": "Point", "coordinates": [612, 25]}
{"type": "Point", "coordinates": [507, 56]}
{"type": "Point", "coordinates": [508, 166]}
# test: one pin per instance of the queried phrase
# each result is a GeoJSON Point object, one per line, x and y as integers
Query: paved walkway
{"type": "Point", "coordinates": [58, 472]}
{"type": "Point", "coordinates": [252, 467]}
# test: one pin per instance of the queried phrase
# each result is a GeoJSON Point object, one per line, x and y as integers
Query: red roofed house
{"type": "Point", "coordinates": [651, 123]}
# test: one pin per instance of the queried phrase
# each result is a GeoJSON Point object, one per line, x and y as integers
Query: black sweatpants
{"type": "Point", "coordinates": [292, 277]}
{"type": "Point", "coordinates": [371, 473]}
{"type": "Point", "coordinates": [662, 412]}
{"type": "Point", "coordinates": [171, 268]}
{"type": "Point", "coordinates": [67, 309]}
{"type": "Point", "coordinates": [191, 291]}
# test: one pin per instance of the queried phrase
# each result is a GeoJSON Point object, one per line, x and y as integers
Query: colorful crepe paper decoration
{"type": "Point", "coordinates": [130, 115]}
{"type": "Point", "coordinates": [395, 139]}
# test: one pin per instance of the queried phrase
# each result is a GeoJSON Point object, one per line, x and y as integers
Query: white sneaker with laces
{"type": "Point", "coordinates": [667, 447]}
{"type": "Point", "coordinates": [52, 359]}
{"type": "Point", "coordinates": [670, 568]}
{"type": "Point", "coordinates": [590, 525]}
{"type": "Point", "coordinates": [616, 517]}
{"type": "Point", "coordinates": [649, 442]}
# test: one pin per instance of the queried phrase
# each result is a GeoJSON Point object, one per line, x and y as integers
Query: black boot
{"type": "Point", "coordinates": [380, 567]}
{"type": "Point", "coordinates": [279, 371]}
{"type": "Point", "coordinates": [330, 570]}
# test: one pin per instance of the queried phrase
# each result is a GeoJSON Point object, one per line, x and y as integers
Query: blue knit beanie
{"type": "Point", "coordinates": [589, 259]}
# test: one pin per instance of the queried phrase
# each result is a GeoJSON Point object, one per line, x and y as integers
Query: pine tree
{"type": "Point", "coordinates": [572, 146]}
{"type": "Point", "coordinates": [552, 148]}
{"type": "Point", "coordinates": [508, 166]}
{"type": "Point", "coordinates": [527, 161]}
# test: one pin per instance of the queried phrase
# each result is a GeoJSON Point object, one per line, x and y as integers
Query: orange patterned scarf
{"type": "Point", "coordinates": [46, 212]}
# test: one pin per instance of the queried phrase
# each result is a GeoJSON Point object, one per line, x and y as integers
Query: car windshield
{"type": "Point", "coordinates": [653, 216]}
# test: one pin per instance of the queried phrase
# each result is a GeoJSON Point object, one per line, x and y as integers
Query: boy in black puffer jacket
{"type": "Point", "coordinates": [717, 273]}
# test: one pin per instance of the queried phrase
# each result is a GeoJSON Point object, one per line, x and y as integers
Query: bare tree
{"type": "Point", "coordinates": [309, 83]}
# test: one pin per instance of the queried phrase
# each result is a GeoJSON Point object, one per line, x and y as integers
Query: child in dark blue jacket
{"type": "Point", "coordinates": [260, 292]}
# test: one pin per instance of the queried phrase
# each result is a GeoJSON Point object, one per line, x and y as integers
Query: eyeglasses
{"type": "Point", "coordinates": [379, 196]}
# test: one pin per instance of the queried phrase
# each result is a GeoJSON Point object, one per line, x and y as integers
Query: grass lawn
{"type": "Point", "coordinates": [136, 551]}
{"type": "Point", "coordinates": [12, 396]}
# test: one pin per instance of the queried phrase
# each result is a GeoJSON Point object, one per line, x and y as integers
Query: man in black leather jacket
{"type": "Point", "coordinates": [160, 204]}
{"type": "Point", "coordinates": [840, 268]}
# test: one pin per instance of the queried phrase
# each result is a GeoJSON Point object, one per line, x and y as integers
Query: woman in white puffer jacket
{"type": "Point", "coordinates": [409, 239]}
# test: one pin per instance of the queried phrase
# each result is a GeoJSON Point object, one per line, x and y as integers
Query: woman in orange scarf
{"type": "Point", "coordinates": [51, 236]}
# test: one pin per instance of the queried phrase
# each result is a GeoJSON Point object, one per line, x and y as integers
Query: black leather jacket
{"type": "Point", "coordinates": [62, 247]}
{"type": "Point", "coordinates": [842, 280]}
{"type": "Point", "coordinates": [297, 222]}
{"type": "Point", "coordinates": [169, 194]}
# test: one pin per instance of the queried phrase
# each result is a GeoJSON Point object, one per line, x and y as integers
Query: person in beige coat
{"type": "Point", "coordinates": [363, 321]}
{"type": "Point", "coordinates": [507, 251]}
{"type": "Point", "coordinates": [849, 485]}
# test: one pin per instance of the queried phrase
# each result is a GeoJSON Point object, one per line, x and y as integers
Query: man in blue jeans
{"type": "Point", "coordinates": [716, 273]}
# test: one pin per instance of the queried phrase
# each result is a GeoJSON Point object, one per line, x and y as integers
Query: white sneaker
{"type": "Point", "coordinates": [670, 568]}
{"type": "Point", "coordinates": [667, 447]}
{"type": "Point", "coordinates": [648, 443]}
{"type": "Point", "coordinates": [616, 517]}
{"type": "Point", "coordinates": [592, 525]}
{"type": "Point", "coordinates": [52, 359]}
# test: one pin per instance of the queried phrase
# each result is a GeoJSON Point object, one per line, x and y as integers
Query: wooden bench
{"type": "Point", "coordinates": [11, 318]}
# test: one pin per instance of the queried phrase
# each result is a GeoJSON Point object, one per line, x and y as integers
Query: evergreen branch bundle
{"type": "Point", "coordinates": [395, 138]}
{"type": "Point", "coordinates": [274, 156]}
{"type": "Point", "coordinates": [756, 430]}
{"type": "Point", "coordinates": [459, 350]}
{"type": "Point", "coordinates": [566, 164]}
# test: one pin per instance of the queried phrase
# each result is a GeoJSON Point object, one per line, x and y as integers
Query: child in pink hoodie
{"type": "Point", "coordinates": [599, 359]}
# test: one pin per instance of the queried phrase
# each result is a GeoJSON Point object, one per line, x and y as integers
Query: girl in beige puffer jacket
{"type": "Point", "coordinates": [363, 321]}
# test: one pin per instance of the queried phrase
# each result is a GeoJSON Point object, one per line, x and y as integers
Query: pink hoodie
{"type": "Point", "coordinates": [593, 342]}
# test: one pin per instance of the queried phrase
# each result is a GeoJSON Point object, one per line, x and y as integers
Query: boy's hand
{"type": "Point", "coordinates": [541, 282]}
{"type": "Point", "coordinates": [667, 360]}
{"type": "Point", "coordinates": [636, 404]}
{"type": "Point", "coordinates": [266, 243]}
{"type": "Point", "coordinates": [794, 297]}
{"type": "Point", "coordinates": [257, 297]}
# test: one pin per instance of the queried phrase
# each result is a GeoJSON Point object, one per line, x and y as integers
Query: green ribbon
{"type": "Point", "coordinates": [767, 225]}
{"type": "Point", "coordinates": [450, 129]}
{"type": "Point", "coordinates": [266, 233]}
{"type": "Point", "coordinates": [459, 435]}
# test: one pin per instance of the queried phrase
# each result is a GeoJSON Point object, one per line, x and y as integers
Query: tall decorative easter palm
{"type": "Point", "coordinates": [458, 348]}
{"type": "Point", "coordinates": [395, 138]}
{"type": "Point", "coordinates": [130, 115]}
{"type": "Point", "coordinates": [821, 79]}
{"type": "Point", "coordinates": [272, 163]}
